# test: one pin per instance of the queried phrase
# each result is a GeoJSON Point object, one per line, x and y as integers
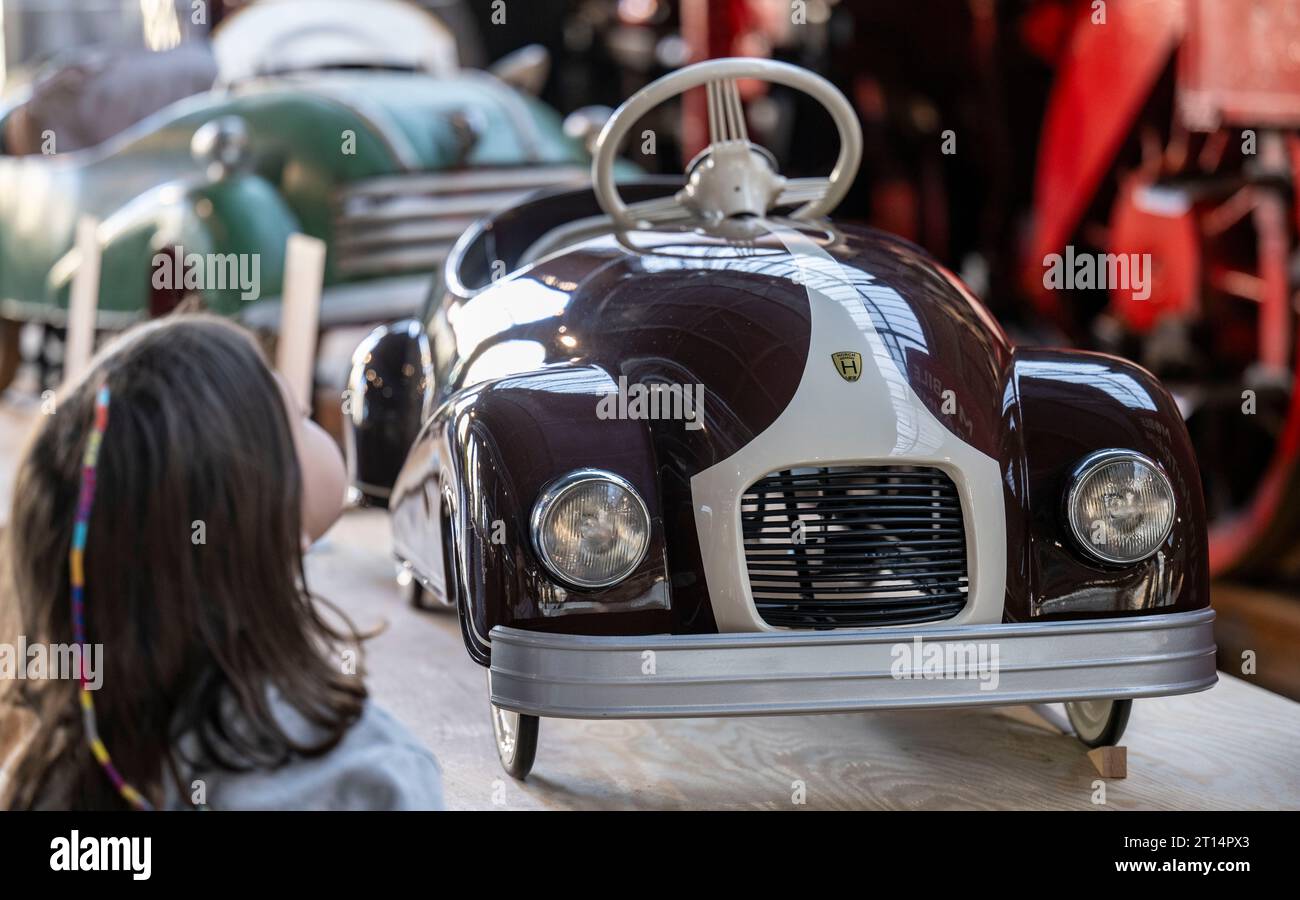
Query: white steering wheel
{"type": "Point", "coordinates": [732, 176]}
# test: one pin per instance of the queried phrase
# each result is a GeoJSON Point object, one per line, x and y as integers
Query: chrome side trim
{"type": "Point", "coordinates": [791, 672]}
{"type": "Point", "coordinates": [467, 181]}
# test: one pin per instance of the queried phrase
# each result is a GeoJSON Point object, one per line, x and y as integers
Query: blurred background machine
{"type": "Point", "coordinates": [209, 133]}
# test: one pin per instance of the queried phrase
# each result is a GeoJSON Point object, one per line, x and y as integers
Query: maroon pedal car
{"type": "Point", "coordinates": [691, 448]}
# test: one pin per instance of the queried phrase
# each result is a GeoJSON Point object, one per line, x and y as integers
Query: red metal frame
{"type": "Point", "coordinates": [1237, 66]}
{"type": "Point", "coordinates": [1235, 69]}
{"type": "Point", "coordinates": [1105, 78]}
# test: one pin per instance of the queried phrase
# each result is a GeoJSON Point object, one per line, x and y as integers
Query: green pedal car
{"type": "Point", "coordinates": [376, 144]}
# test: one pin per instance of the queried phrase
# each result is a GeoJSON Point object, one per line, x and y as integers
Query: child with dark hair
{"type": "Point", "coordinates": [161, 513]}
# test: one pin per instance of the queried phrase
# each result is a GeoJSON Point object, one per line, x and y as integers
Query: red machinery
{"type": "Point", "coordinates": [1172, 131]}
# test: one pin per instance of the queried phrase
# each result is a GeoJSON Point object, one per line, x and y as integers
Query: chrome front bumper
{"type": "Point", "coordinates": [786, 672]}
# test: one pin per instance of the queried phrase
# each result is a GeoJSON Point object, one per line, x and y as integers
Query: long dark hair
{"type": "Point", "coordinates": [193, 571]}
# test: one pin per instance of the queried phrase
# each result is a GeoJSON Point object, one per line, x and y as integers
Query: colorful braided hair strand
{"type": "Point", "coordinates": [77, 579]}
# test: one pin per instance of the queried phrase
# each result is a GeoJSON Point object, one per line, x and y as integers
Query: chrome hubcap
{"type": "Point", "coordinates": [505, 725]}
{"type": "Point", "coordinates": [1089, 717]}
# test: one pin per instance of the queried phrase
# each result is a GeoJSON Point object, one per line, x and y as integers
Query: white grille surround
{"type": "Point", "coordinates": [889, 425]}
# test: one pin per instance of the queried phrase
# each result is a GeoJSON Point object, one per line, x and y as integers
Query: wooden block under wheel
{"type": "Point", "coordinates": [1111, 762]}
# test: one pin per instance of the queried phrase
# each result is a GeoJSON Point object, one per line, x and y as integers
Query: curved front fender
{"type": "Point", "coordinates": [462, 502]}
{"type": "Point", "coordinates": [242, 219]}
{"type": "Point", "coordinates": [390, 391]}
{"type": "Point", "coordinates": [224, 241]}
{"type": "Point", "coordinates": [1060, 407]}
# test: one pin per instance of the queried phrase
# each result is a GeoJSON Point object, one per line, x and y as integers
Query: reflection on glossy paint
{"type": "Point", "coordinates": [1158, 586]}
{"type": "Point", "coordinates": [505, 358]}
{"type": "Point", "coordinates": [552, 281]}
{"type": "Point", "coordinates": [880, 313]}
{"type": "Point", "coordinates": [1119, 385]}
{"type": "Point", "coordinates": [859, 294]}
{"type": "Point", "coordinates": [554, 600]}
{"type": "Point", "coordinates": [564, 379]}
{"type": "Point", "coordinates": [491, 312]}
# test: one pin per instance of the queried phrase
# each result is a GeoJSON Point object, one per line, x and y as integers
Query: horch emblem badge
{"type": "Point", "coordinates": [848, 363]}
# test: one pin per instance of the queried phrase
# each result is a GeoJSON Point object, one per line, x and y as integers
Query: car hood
{"type": "Point", "coordinates": [732, 316]}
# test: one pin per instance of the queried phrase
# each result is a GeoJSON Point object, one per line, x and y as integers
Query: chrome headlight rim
{"type": "Point", "coordinates": [557, 489]}
{"type": "Point", "coordinates": [1085, 468]}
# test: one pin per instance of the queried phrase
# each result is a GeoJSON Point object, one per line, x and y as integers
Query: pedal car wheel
{"type": "Point", "coordinates": [1099, 723]}
{"type": "Point", "coordinates": [416, 593]}
{"type": "Point", "coordinates": [516, 740]}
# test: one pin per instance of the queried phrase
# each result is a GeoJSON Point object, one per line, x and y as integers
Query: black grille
{"type": "Point", "coordinates": [880, 545]}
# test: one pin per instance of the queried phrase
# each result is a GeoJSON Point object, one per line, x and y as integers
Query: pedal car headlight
{"type": "Point", "coordinates": [1120, 505]}
{"type": "Point", "coordinates": [591, 528]}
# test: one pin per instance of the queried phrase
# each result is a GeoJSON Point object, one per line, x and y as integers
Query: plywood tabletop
{"type": "Point", "coordinates": [1236, 746]}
